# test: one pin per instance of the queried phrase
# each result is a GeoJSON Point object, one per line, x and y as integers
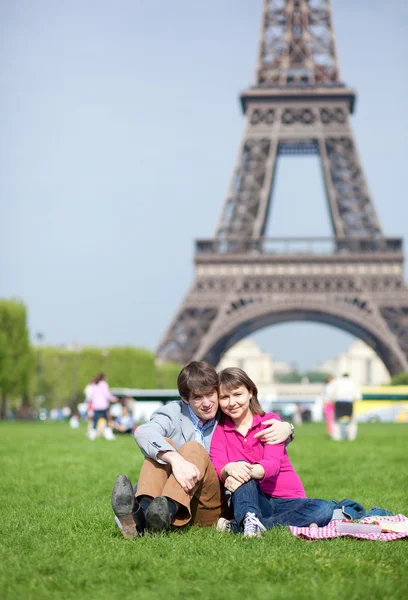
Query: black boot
{"type": "Point", "coordinates": [139, 517]}
{"type": "Point", "coordinates": [160, 514]}
{"type": "Point", "coordinates": [125, 506]}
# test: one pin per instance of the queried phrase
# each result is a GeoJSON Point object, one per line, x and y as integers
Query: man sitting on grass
{"type": "Point", "coordinates": [177, 483]}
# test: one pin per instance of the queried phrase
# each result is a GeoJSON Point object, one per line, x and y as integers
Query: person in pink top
{"type": "Point", "coordinates": [100, 397]}
{"type": "Point", "coordinates": [266, 490]}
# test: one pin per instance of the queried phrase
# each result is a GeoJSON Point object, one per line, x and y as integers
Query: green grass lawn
{"type": "Point", "coordinates": [58, 538]}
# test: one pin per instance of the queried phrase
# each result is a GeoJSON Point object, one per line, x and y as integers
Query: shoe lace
{"type": "Point", "coordinates": [252, 524]}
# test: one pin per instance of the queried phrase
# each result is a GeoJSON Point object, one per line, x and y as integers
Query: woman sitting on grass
{"type": "Point", "coordinates": [266, 490]}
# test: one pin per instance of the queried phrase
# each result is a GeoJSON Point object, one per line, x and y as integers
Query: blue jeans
{"type": "Point", "coordinates": [99, 414]}
{"type": "Point", "coordinates": [353, 510]}
{"type": "Point", "coordinates": [279, 511]}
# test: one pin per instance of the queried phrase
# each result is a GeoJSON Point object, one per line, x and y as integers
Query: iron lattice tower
{"type": "Point", "coordinates": [244, 281]}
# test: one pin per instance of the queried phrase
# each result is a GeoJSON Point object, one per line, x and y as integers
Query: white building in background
{"type": "Point", "coordinates": [281, 397]}
{"type": "Point", "coordinates": [248, 356]}
{"type": "Point", "coordinates": [282, 368]}
{"type": "Point", "coordinates": [360, 362]}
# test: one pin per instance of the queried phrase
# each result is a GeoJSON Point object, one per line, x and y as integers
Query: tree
{"type": "Point", "coordinates": [166, 375]}
{"type": "Point", "coordinates": [400, 379]}
{"type": "Point", "coordinates": [57, 368]}
{"type": "Point", "coordinates": [130, 367]}
{"type": "Point", "coordinates": [317, 376]}
{"type": "Point", "coordinates": [16, 358]}
{"type": "Point", "coordinates": [66, 371]}
{"type": "Point", "coordinates": [291, 377]}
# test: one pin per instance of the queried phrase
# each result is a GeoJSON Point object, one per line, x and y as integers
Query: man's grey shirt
{"type": "Point", "coordinates": [170, 421]}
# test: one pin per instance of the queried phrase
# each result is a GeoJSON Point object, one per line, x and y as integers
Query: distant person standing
{"type": "Point", "coordinates": [101, 397]}
{"type": "Point", "coordinates": [88, 391]}
{"type": "Point", "coordinates": [328, 406]}
{"type": "Point", "coordinates": [88, 402]}
{"type": "Point", "coordinates": [343, 392]}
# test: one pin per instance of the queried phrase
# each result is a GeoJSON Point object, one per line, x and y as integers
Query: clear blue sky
{"type": "Point", "coordinates": [120, 126]}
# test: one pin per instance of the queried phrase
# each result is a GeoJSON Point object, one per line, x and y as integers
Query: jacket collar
{"type": "Point", "coordinates": [229, 425]}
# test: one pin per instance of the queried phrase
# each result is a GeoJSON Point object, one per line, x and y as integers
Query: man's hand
{"type": "Point", "coordinates": [186, 474]}
{"type": "Point", "coordinates": [232, 484]}
{"type": "Point", "coordinates": [241, 471]}
{"type": "Point", "coordinates": [277, 433]}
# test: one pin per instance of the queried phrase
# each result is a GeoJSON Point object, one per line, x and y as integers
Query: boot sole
{"type": "Point", "coordinates": [128, 527]}
{"type": "Point", "coordinates": [123, 497]}
{"type": "Point", "coordinates": [123, 502]}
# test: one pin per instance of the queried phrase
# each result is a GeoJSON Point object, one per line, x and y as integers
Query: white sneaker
{"type": "Point", "coordinates": [225, 525]}
{"type": "Point", "coordinates": [253, 526]}
{"type": "Point", "coordinates": [92, 434]}
{"type": "Point", "coordinates": [108, 434]}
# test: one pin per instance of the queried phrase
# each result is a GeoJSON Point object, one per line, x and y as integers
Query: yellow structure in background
{"type": "Point", "coordinates": [383, 403]}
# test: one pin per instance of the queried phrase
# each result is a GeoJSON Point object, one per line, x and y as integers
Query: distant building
{"type": "Point", "coordinates": [282, 368]}
{"type": "Point", "coordinates": [360, 362]}
{"type": "Point", "coordinates": [248, 356]}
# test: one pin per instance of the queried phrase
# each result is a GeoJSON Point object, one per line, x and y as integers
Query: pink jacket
{"type": "Point", "coordinates": [100, 395]}
{"type": "Point", "coordinates": [228, 445]}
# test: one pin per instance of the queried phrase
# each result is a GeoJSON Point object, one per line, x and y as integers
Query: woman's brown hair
{"type": "Point", "coordinates": [99, 377]}
{"type": "Point", "coordinates": [232, 378]}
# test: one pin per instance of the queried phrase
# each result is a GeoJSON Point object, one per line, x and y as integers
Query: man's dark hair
{"type": "Point", "coordinates": [197, 377]}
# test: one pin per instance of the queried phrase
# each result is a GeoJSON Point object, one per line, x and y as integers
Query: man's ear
{"type": "Point", "coordinates": [184, 400]}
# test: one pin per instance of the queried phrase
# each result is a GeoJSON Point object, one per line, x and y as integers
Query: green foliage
{"type": "Point", "coordinates": [400, 379]}
{"type": "Point", "coordinates": [291, 377]}
{"type": "Point", "coordinates": [296, 377]}
{"type": "Point", "coordinates": [59, 540]}
{"type": "Point", "coordinates": [316, 376]}
{"type": "Point", "coordinates": [89, 361]}
{"type": "Point", "coordinates": [131, 367]}
{"type": "Point", "coordinates": [166, 375]}
{"type": "Point", "coordinates": [63, 373]}
{"type": "Point", "coordinates": [16, 359]}
{"type": "Point", "coordinates": [58, 375]}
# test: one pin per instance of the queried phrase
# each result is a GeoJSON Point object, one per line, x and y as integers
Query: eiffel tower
{"type": "Point", "coordinates": [245, 281]}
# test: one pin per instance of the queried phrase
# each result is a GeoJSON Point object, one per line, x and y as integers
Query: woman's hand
{"type": "Point", "coordinates": [257, 471]}
{"type": "Point", "coordinates": [241, 471]}
{"type": "Point", "coordinates": [277, 433]}
{"type": "Point", "coordinates": [232, 484]}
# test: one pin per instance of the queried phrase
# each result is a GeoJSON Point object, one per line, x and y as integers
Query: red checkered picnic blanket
{"type": "Point", "coordinates": [330, 531]}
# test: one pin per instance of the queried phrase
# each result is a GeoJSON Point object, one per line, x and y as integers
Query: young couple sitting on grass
{"type": "Point", "coordinates": [194, 453]}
